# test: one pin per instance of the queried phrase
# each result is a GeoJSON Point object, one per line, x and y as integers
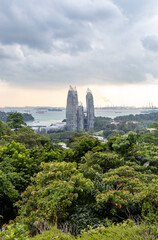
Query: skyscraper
{"type": "Point", "coordinates": [76, 119]}
{"type": "Point", "coordinates": [71, 110]}
{"type": "Point", "coordinates": [90, 109]}
{"type": "Point", "coordinates": [80, 118]}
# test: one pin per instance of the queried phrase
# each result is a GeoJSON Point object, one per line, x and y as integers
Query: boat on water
{"type": "Point", "coordinates": [41, 111]}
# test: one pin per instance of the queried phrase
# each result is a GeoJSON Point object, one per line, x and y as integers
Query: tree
{"type": "Point", "coordinates": [4, 130]}
{"type": "Point", "coordinates": [27, 137]}
{"type": "Point", "coordinates": [125, 144]}
{"type": "Point", "coordinates": [6, 134]}
{"type": "Point", "coordinates": [127, 190]}
{"type": "Point", "coordinates": [86, 144]}
{"type": "Point", "coordinates": [52, 192]}
{"type": "Point", "coordinates": [8, 194]}
{"type": "Point", "coordinates": [94, 165]}
{"type": "Point", "coordinates": [15, 120]}
{"type": "Point", "coordinates": [20, 158]}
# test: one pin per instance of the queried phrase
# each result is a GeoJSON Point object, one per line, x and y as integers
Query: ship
{"type": "Point", "coordinates": [41, 111]}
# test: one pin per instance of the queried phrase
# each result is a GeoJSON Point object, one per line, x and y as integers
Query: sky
{"type": "Point", "coordinates": [109, 46]}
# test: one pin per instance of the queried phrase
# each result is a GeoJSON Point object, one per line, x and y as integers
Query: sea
{"type": "Point", "coordinates": [45, 116]}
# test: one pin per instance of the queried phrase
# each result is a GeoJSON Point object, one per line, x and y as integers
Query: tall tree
{"type": "Point", "coordinates": [15, 120]}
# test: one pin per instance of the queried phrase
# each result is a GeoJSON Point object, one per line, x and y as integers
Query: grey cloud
{"type": "Point", "coordinates": [18, 25]}
{"type": "Point", "coordinates": [151, 43]}
{"type": "Point", "coordinates": [47, 43]}
{"type": "Point", "coordinates": [37, 24]}
{"type": "Point", "coordinates": [4, 54]}
{"type": "Point", "coordinates": [11, 53]}
{"type": "Point", "coordinates": [90, 10]}
{"type": "Point", "coordinates": [136, 9]}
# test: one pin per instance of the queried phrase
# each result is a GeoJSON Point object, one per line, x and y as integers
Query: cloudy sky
{"type": "Point", "coordinates": [110, 46]}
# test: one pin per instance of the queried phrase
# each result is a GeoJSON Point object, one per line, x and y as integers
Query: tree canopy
{"type": "Point", "coordinates": [104, 189]}
{"type": "Point", "coordinates": [15, 120]}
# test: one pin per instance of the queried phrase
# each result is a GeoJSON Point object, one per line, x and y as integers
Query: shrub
{"type": "Point", "coordinates": [127, 230]}
{"type": "Point", "coordinates": [53, 233]}
{"type": "Point", "coordinates": [14, 231]}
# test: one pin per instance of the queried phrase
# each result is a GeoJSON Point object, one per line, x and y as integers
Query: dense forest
{"type": "Point", "coordinates": [92, 190]}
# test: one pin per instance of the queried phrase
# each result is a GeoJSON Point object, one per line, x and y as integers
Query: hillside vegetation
{"type": "Point", "coordinates": [92, 190]}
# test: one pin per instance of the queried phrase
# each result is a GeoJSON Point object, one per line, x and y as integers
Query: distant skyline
{"type": "Point", "coordinates": [109, 46]}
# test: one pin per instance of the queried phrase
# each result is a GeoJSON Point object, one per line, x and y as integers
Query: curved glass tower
{"type": "Point", "coordinates": [71, 110]}
{"type": "Point", "coordinates": [76, 118]}
{"type": "Point", "coordinates": [90, 109]}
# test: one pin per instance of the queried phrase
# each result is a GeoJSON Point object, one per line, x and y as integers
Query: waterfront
{"type": "Point", "coordinates": [46, 117]}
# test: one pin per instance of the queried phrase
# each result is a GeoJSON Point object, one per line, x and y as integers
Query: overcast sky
{"type": "Point", "coordinates": [110, 46]}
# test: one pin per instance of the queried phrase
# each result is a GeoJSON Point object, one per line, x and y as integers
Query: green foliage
{"type": "Point", "coordinates": [60, 136]}
{"type": "Point", "coordinates": [15, 232]}
{"type": "Point", "coordinates": [53, 233]}
{"type": "Point", "coordinates": [26, 116]}
{"type": "Point", "coordinates": [26, 136]}
{"type": "Point", "coordinates": [13, 160]}
{"type": "Point", "coordinates": [15, 120]}
{"type": "Point", "coordinates": [67, 156]}
{"type": "Point", "coordinates": [78, 187]}
{"type": "Point", "coordinates": [19, 158]}
{"type": "Point", "coordinates": [81, 218]}
{"type": "Point", "coordinates": [138, 117]}
{"type": "Point", "coordinates": [7, 189]}
{"type": "Point", "coordinates": [4, 130]}
{"type": "Point", "coordinates": [8, 195]}
{"type": "Point", "coordinates": [127, 230]}
{"type": "Point", "coordinates": [111, 129]}
{"type": "Point", "coordinates": [52, 192]}
{"type": "Point", "coordinates": [100, 123]}
{"type": "Point", "coordinates": [108, 133]}
{"type": "Point", "coordinates": [16, 168]}
{"type": "Point", "coordinates": [84, 145]}
{"type": "Point", "coordinates": [95, 164]}
{"type": "Point", "coordinates": [125, 143]}
{"type": "Point", "coordinates": [150, 137]}
{"type": "Point", "coordinates": [126, 191]}
{"type": "Point", "coordinates": [76, 138]}
{"type": "Point", "coordinates": [5, 134]}
{"type": "Point", "coordinates": [150, 203]}
{"type": "Point", "coordinates": [145, 154]}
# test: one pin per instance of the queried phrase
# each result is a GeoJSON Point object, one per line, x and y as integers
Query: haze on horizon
{"type": "Point", "coordinates": [109, 46]}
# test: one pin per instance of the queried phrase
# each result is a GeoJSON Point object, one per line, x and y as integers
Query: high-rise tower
{"type": "Point", "coordinates": [80, 117]}
{"type": "Point", "coordinates": [71, 110]}
{"type": "Point", "coordinates": [90, 109]}
{"type": "Point", "coordinates": [76, 118]}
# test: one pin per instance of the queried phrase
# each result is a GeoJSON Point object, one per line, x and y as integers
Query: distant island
{"type": "Point", "coordinates": [55, 109]}
{"type": "Point", "coordinates": [27, 116]}
{"type": "Point", "coordinates": [49, 108]}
